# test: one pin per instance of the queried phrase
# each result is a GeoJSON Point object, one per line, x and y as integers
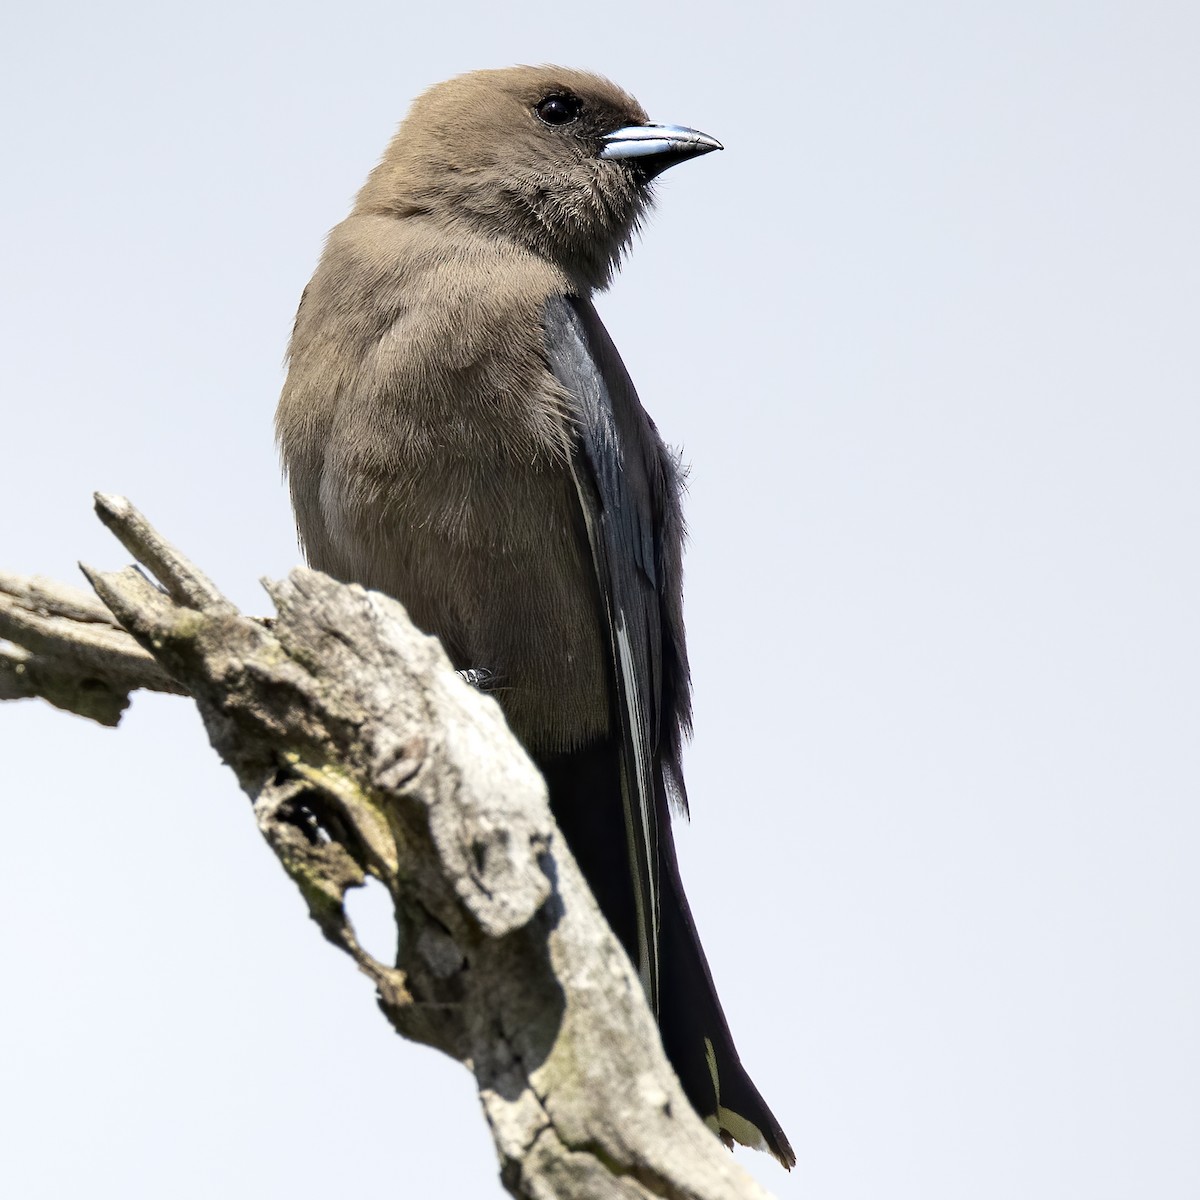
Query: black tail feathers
{"type": "Point", "coordinates": [585, 794]}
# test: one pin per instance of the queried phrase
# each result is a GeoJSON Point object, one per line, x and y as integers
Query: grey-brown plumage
{"type": "Point", "coordinates": [459, 431]}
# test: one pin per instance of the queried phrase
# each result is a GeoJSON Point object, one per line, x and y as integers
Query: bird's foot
{"type": "Point", "coordinates": [479, 677]}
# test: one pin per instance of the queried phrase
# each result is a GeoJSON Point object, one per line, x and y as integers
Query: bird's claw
{"type": "Point", "coordinates": [478, 677]}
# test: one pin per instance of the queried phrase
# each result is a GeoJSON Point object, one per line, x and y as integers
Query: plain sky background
{"type": "Point", "coordinates": [927, 334]}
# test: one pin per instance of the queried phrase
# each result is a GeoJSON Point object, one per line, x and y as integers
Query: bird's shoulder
{"type": "Point", "coordinates": [441, 288]}
{"type": "Point", "coordinates": [430, 336]}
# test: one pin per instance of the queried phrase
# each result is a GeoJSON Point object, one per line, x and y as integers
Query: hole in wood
{"type": "Point", "coordinates": [369, 910]}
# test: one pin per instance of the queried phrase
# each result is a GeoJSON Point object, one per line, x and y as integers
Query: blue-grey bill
{"type": "Point", "coordinates": [645, 141]}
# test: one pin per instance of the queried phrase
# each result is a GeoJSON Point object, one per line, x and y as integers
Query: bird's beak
{"type": "Point", "coordinates": [657, 147]}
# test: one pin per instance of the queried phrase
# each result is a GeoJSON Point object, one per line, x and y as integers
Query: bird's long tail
{"type": "Point", "coordinates": [695, 1033]}
{"type": "Point", "coordinates": [585, 794]}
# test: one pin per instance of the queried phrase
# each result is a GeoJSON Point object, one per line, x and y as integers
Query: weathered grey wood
{"type": "Point", "coordinates": [364, 753]}
{"type": "Point", "coordinates": [66, 647]}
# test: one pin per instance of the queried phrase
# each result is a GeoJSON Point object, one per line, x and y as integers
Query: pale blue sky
{"type": "Point", "coordinates": [941, 297]}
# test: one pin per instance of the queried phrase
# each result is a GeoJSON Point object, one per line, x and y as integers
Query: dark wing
{"type": "Point", "coordinates": [629, 491]}
{"type": "Point", "coordinates": [629, 487]}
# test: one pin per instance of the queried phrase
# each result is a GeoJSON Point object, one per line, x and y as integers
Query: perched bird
{"type": "Point", "coordinates": [459, 431]}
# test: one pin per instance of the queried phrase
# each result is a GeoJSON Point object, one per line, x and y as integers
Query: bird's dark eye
{"type": "Point", "coordinates": [559, 110]}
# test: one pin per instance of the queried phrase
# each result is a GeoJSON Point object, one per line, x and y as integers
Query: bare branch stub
{"type": "Point", "coordinates": [182, 580]}
{"type": "Point", "coordinates": [61, 644]}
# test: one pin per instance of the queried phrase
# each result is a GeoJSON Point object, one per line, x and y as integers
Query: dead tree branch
{"type": "Point", "coordinates": [365, 754]}
{"type": "Point", "coordinates": [62, 644]}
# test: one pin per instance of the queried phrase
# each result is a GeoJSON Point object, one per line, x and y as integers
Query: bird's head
{"type": "Point", "coordinates": [557, 161]}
